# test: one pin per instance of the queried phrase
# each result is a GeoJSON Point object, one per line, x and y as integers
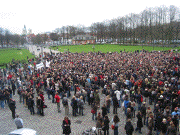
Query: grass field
{"type": "Point", "coordinates": [108, 48]}
{"type": "Point", "coordinates": [6, 55]}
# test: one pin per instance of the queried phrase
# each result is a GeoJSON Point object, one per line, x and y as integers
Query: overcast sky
{"type": "Point", "coordinates": [46, 15]}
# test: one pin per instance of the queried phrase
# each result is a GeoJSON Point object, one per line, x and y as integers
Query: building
{"type": "Point", "coordinates": [24, 31]}
{"type": "Point", "coordinates": [83, 39]}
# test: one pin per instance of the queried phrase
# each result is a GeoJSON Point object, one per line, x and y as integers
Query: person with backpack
{"type": "Point", "coordinates": [66, 105]}
{"type": "Point", "coordinates": [129, 127]}
{"type": "Point", "coordinates": [57, 97]}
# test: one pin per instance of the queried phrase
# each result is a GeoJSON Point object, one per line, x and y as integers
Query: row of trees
{"type": "Point", "coordinates": [7, 38]}
{"type": "Point", "coordinates": [151, 25]}
{"type": "Point", "coordinates": [158, 24]}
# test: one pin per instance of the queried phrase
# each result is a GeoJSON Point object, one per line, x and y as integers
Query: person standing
{"type": "Point", "coordinates": [99, 123]}
{"type": "Point", "coordinates": [171, 129]}
{"type": "Point", "coordinates": [57, 97]}
{"type": "Point", "coordinates": [40, 104]}
{"type": "Point", "coordinates": [129, 127]}
{"type": "Point", "coordinates": [164, 126]}
{"type": "Point", "coordinates": [150, 123]}
{"type": "Point", "coordinates": [108, 103]}
{"type": "Point", "coordinates": [12, 107]}
{"type": "Point", "coordinates": [31, 105]}
{"type": "Point", "coordinates": [139, 122]}
{"type": "Point", "coordinates": [66, 126]}
{"type": "Point", "coordinates": [143, 112]}
{"type": "Point", "coordinates": [94, 111]}
{"type": "Point", "coordinates": [13, 86]}
{"type": "Point", "coordinates": [106, 125]}
{"type": "Point", "coordinates": [66, 105]}
{"type": "Point", "coordinates": [81, 105]}
{"type": "Point", "coordinates": [104, 110]}
{"type": "Point", "coordinates": [74, 105]}
{"type": "Point", "coordinates": [115, 104]}
{"type": "Point", "coordinates": [19, 122]}
{"type": "Point", "coordinates": [117, 92]}
{"type": "Point", "coordinates": [116, 124]}
{"type": "Point", "coordinates": [2, 98]}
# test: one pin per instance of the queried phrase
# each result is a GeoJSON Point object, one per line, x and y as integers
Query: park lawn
{"type": "Point", "coordinates": [108, 48]}
{"type": "Point", "coordinates": [6, 55]}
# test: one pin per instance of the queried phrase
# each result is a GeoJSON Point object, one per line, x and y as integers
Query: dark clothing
{"type": "Point", "coordinates": [104, 111]}
{"type": "Point", "coordinates": [12, 107]}
{"type": "Point", "coordinates": [129, 128]}
{"type": "Point", "coordinates": [106, 126]}
{"type": "Point", "coordinates": [164, 127]}
{"type": "Point", "coordinates": [74, 106]}
{"type": "Point", "coordinates": [139, 121]}
{"type": "Point", "coordinates": [40, 105]}
{"type": "Point", "coordinates": [31, 105]}
{"type": "Point", "coordinates": [115, 105]}
{"type": "Point", "coordinates": [171, 130]}
{"type": "Point", "coordinates": [66, 127]}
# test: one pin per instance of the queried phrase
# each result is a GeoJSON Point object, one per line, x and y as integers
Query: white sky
{"type": "Point", "coordinates": [46, 15]}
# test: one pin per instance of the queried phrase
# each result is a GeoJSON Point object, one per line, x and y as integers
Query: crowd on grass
{"type": "Point", "coordinates": [146, 84]}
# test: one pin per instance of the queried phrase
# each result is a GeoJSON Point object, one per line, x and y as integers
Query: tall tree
{"type": "Point", "coordinates": [54, 37]}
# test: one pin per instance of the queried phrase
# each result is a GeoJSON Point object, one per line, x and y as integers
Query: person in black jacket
{"type": "Point", "coordinates": [129, 127]}
{"type": "Point", "coordinates": [66, 126]}
{"type": "Point", "coordinates": [74, 105]}
{"type": "Point", "coordinates": [106, 125]}
{"type": "Point", "coordinates": [143, 112]}
{"type": "Point", "coordinates": [13, 87]}
{"type": "Point", "coordinates": [12, 107]}
{"type": "Point", "coordinates": [40, 105]}
{"type": "Point", "coordinates": [104, 110]}
{"type": "Point", "coordinates": [139, 122]}
{"type": "Point", "coordinates": [31, 105]}
{"type": "Point", "coordinates": [115, 104]}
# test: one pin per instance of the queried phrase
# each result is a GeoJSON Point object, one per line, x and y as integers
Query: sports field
{"type": "Point", "coordinates": [7, 55]}
{"type": "Point", "coordinates": [108, 48]}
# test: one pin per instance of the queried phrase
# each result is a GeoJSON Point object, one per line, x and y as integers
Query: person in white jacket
{"type": "Point", "coordinates": [117, 92]}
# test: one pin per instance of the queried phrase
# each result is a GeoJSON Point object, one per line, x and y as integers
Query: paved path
{"type": "Point", "coordinates": [51, 123]}
{"type": "Point", "coordinates": [36, 50]}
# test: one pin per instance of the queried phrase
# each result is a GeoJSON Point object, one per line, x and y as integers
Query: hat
{"type": "Point", "coordinates": [144, 103]}
{"type": "Point", "coordinates": [161, 96]}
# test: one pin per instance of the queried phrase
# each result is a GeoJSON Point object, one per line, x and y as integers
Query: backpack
{"type": "Point", "coordinates": [81, 103]}
{"type": "Point", "coordinates": [65, 102]}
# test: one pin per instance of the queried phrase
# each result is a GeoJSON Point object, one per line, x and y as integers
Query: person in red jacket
{"type": "Point", "coordinates": [57, 97]}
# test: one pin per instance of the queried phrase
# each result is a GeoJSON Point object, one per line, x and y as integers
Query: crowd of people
{"type": "Point", "coordinates": [146, 84]}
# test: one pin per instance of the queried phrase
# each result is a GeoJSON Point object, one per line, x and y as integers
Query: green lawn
{"type": "Point", "coordinates": [108, 48]}
{"type": "Point", "coordinates": [6, 55]}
